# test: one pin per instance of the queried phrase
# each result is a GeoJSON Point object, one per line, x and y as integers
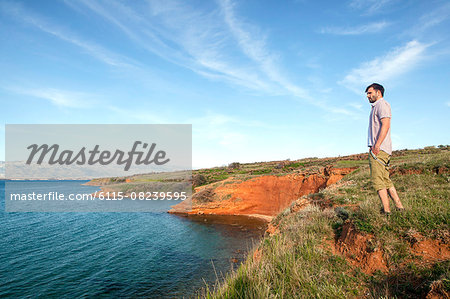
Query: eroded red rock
{"type": "Point", "coordinates": [360, 249]}
{"type": "Point", "coordinates": [263, 195]}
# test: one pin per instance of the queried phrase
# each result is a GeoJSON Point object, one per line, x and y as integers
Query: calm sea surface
{"type": "Point", "coordinates": [127, 255]}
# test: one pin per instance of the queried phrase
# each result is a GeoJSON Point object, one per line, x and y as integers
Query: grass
{"type": "Point", "coordinates": [262, 171]}
{"type": "Point", "coordinates": [298, 263]}
{"type": "Point", "coordinates": [411, 281]}
{"type": "Point", "coordinates": [294, 264]}
{"type": "Point", "coordinates": [293, 165]}
{"type": "Point", "coordinates": [425, 197]}
{"type": "Point", "coordinates": [351, 163]}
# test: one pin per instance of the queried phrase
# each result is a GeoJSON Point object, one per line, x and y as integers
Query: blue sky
{"type": "Point", "coordinates": [258, 80]}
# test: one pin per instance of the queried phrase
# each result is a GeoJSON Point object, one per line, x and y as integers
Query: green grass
{"type": "Point", "coordinates": [296, 263]}
{"type": "Point", "coordinates": [262, 171]}
{"type": "Point", "coordinates": [293, 165]}
{"type": "Point", "coordinates": [410, 281]}
{"type": "Point", "coordinates": [350, 163]}
{"type": "Point", "coordinates": [425, 197]}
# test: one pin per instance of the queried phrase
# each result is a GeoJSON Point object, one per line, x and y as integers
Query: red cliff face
{"type": "Point", "coordinates": [262, 196]}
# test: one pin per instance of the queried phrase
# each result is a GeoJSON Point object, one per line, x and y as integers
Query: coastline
{"type": "Point", "coordinates": [261, 197]}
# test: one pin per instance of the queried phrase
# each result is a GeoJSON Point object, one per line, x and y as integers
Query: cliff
{"type": "Point", "coordinates": [261, 196]}
{"type": "Point", "coordinates": [335, 243]}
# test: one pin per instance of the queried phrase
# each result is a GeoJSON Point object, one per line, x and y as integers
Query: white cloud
{"type": "Point", "coordinates": [201, 41]}
{"type": "Point", "coordinates": [16, 10]}
{"type": "Point", "coordinates": [184, 36]}
{"type": "Point", "coordinates": [214, 43]}
{"type": "Point", "coordinates": [391, 65]}
{"type": "Point", "coordinates": [433, 18]}
{"type": "Point", "coordinates": [358, 30]}
{"type": "Point", "coordinates": [448, 104]}
{"type": "Point", "coordinates": [370, 6]}
{"type": "Point", "coordinates": [254, 46]}
{"type": "Point", "coordinates": [58, 97]}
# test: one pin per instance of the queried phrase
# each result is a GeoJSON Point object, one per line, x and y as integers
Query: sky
{"type": "Point", "coordinates": [258, 80]}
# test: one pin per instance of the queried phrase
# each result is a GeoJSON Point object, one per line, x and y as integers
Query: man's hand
{"type": "Point", "coordinates": [375, 149]}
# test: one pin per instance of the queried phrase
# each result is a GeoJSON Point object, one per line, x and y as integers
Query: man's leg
{"type": "Point", "coordinates": [383, 195]}
{"type": "Point", "coordinates": [378, 175]}
{"type": "Point", "coordinates": [393, 193]}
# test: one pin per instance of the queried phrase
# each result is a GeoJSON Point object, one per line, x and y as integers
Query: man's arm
{"type": "Point", "coordinates": [385, 125]}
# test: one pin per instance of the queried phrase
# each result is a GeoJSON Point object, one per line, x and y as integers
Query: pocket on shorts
{"type": "Point", "coordinates": [384, 157]}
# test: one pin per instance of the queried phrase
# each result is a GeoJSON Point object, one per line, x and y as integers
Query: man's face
{"type": "Point", "coordinates": [373, 95]}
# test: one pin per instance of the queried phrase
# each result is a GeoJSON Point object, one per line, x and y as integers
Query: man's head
{"type": "Point", "coordinates": [374, 92]}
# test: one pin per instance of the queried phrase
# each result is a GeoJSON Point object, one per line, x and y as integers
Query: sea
{"type": "Point", "coordinates": [117, 255]}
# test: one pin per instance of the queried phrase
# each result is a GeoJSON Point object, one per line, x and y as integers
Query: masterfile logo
{"type": "Point", "coordinates": [94, 156]}
{"type": "Point", "coordinates": [93, 151]}
{"type": "Point", "coordinates": [133, 164]}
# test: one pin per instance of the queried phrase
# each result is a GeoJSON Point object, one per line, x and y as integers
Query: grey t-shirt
{"type": "Point", "coordinates": [380, 109]}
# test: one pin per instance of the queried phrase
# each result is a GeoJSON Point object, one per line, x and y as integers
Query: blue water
{"type": "Point", "coordinates": [127, 255]}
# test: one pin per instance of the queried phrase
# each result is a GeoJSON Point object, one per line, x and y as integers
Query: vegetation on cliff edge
{"type": "Point", "coordinates": [300, 259]}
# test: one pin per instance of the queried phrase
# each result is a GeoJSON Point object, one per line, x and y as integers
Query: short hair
{"type": "Point", "coordinates": [376, 86]}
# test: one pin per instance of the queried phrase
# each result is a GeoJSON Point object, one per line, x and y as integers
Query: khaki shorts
{"type": "Point", "coordinates": [380, 173]}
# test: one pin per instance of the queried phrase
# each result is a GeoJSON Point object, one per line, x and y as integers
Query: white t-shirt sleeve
{"type": "Point", "coordinates": [385, 110]}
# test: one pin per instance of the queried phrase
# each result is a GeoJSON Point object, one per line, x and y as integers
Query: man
{"type": "Point", "coordinates": [379, 142]}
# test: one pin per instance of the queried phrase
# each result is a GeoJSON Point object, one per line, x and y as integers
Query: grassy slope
{"type": "Point", "coordinates": [297, 262]}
